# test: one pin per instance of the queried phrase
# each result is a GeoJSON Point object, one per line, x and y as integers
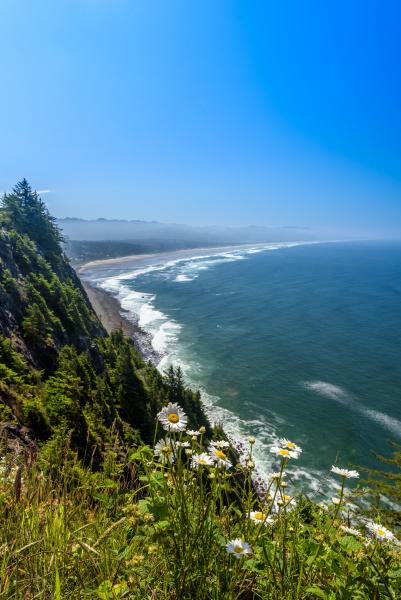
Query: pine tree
{"type": "Point", "coordinates": [34, 326]}
{"type": "Point", "coordinates": [24, 211]}
{"type": "Point", "coordinates": [131, 394]}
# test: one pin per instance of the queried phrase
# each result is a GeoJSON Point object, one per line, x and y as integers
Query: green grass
{"type": "Point", "coordinates": [140, 528]}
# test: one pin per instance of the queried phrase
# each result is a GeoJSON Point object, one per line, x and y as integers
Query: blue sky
{"type": "Point", "coordinates": [206, 112]}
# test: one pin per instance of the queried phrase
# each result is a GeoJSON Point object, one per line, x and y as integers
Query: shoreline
{"type": "Point", "coordinates": [111, 315]}
{"type": "Point", "coordinates": [113, 318]}
{"type": "Point", "coordinates": [106, 262]}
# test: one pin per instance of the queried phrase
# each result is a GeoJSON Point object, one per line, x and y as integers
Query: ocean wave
{"type": "Point", "coordinates": [165, 339]}
{"type": "Point", "coordinates": [335, 392]}
{"type": "Point", "coordinates": [185, 269]}
{"type": "Point", "coordinates": [182, 278]}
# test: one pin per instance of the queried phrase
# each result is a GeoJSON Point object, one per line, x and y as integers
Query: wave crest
{"type": "Point", "coordinates": [335, 392]}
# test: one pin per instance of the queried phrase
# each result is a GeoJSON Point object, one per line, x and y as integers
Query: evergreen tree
{"type": "Point", "coordinates": [384, 486]}
{"type": "Point", "coordinates": [24, 211]}
{"type": "Point", "coordinates": [131, 394]}
{"type": "Point", "coordinates": [34, 326]}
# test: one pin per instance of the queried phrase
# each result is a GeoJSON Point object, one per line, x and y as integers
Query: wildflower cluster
{"type": "Point", "coordinates": [269, 510]}
{"type": "Point", "coordinates": [194, 510]}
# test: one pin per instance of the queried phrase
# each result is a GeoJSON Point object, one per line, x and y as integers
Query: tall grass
{"type": "Point", "coordinates": [160, 527]}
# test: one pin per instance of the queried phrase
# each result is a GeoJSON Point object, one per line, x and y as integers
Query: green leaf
{"type": "Point", "coordinates": [57, 586]}
{"type": "Point", "coordinates": [350, 544]}
{"type": "Point", "coordinates": [395, 574]}
{"type": "Point", "coordinates": [317, 592]}
{"type": "Point", "coordinates": [162, 524]}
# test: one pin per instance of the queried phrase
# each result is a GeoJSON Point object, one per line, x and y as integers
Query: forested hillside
{"type": "Point", "coordinates": [113, 485]}
{"type": "Point", "coordinates": [58, 367]}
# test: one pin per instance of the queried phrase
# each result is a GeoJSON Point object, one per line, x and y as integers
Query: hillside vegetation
{"type": "Point", "coordinates": [112, 483]}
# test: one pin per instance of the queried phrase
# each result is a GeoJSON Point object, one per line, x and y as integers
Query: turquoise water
{"type": "Point", "coordinates": [301, 342]}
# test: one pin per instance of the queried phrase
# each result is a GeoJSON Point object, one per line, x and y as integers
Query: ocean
{"type": "Point", "coordinates": [285, 340]}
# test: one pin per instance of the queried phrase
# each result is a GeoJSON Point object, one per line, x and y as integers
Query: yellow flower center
{"type": "Point", "coordinates": [173, 418]}
{"type": "Point", "coordinates": [286, 498]}
{"type": "Point", "coordinates": [259, 516]}
{"type": "Point", "coordinates": [220, 454]}
{"type": "Point", "coordinates": [381, 532]}
{"type": "Point", "coordinates": [238, 549]}
{"type": "Point", "coordinates": [202, 461]}
{"type": "Point", "coordinates": [284, 452]}
{"type": "Point", "coordinates": [290, 445]}
{"type": "Point", "coordinates": [167, 450]}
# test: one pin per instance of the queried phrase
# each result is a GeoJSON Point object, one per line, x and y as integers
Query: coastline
{"type": "Point", "coordinates": [109, 310]}
{"type": "Point", "coordinates": [113, 318]}
{"type": "Point", "coordinates": [104, 262]}
{"type": "Point", "coordinates": [109, 262]}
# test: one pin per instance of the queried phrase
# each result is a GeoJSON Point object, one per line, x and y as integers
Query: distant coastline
{"type": "Point", "coordinates": [104, 262]}
{"type": "Point", "coordinates": [108, 308]}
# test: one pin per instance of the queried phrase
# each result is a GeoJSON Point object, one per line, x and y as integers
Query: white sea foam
{"type": "Point", "coordinates": [338, 394]}
{"type": "Point", "coordinates": [389, 423]}
{"type": "Point", "coordinates": [182, 278]}
{"type": "Point", "coordinates": [186, 268]}
{"type": "Point", "coordinates": [165, 331]}
{"type": "Point", "coordinates": [329, 390]}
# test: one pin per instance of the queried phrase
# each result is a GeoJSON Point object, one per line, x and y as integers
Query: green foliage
{"type": "Point", "coordinates": [26, 213]}
{"type": "Point", "coordinates": [88, 381]}
{"type": "Point", "coordinates": [8, 282]}
{"type": "Point", "coordinates": [35, 326]}
{"type": "Point", "coordinates": [10, 357]}
{"type": "Point", "coordinates": [34, 416]}
{"type": "Point", "coordinates": [384, 486]}
{"type": "Point", "coordinates": [6, 414]}
{"type": "Point", "coordinates": [137, 528]}
{"type": "Point", "coordinates": [189, 400]}
{"type": "Point", "coordinates": [94, 514]}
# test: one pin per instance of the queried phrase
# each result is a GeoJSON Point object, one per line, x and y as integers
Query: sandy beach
{"type": "Point", "coordinates": [113, 317]}
{"type": "Point", "coordinates": [116, 261]}
{"type": "Point", "coordinates": [109, 262]}
{"type": "Point", "coordinates": [108, 310]}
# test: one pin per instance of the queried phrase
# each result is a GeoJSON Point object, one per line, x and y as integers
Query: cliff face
{"type": "Point", "coordinates": [42, 308]}
{"type": "Point", "coordinates": [59, 370]}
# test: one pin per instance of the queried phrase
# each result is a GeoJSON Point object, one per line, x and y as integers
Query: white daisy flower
{"type": "Point", "coordinates": [286, 500]}
{"type": "Point", "coordinates": [182, 444]}
{"type": "Point", "coordinates": [201, 460]}
{"type": "Point", "coordinates": [350, 530]}
{"type": "Point", "coordinates": [260, 518]}
{"type": "Point", "coordinates": [221, 444]}
{"type": "Point", "coordinates": [192, 432]}
{"type": "Point", "coordinates": [284, 443]}
{"type": "Point", "coordinates": [238, 547]}
{"type": "Point", "coordinates": [379, 532]}
{"type": "Point", "coordinates": [277, 475]}
{"type": "Point", "coordinates": [344, 472]}
{"type": "Point", "coordinates": [172, 417]}
{"type": "Point", "coordinates": [164, 449]}
{"type": "Point", "coordinates": [219, 457]}
{"type": "Point", "coordinates": [335, 500]}
{"type": "Point", "coordinates": [284, 452]}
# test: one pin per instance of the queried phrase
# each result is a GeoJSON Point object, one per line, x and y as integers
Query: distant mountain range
{"type": "Point", "coordinates": [135, 230]}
